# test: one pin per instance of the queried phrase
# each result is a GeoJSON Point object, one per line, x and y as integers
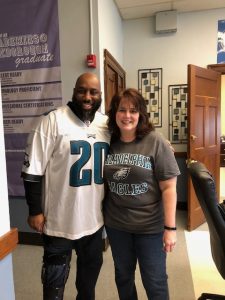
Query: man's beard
{"type": "Point", "coordinates": [83, 114]}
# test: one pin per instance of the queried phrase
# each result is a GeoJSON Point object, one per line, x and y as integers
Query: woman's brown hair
{"type": "Point", "coordinates": [144, 125]}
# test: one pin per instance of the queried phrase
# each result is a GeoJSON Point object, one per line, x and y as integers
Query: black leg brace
{"type": "Point", "coordinates": [55, 271]}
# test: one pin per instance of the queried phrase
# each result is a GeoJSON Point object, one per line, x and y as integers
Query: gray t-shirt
{"type": "Point", "coordinates": [132, 172]}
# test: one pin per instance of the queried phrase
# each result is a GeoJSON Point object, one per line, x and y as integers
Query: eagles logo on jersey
{"type": "Point", "coordinates": [121, 174]}
{"type": "Point", "coordinates": [90, 135]}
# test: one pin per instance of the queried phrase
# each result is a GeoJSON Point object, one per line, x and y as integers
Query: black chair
{"type": "Point", "coordinates": [204, 187]}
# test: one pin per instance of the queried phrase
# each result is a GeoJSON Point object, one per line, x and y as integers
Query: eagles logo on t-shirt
{"type": "Point", "coordinates": [121, 174]}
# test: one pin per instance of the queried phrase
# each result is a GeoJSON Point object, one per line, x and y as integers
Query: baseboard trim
{"type": "Point", "coordinates": [30, 238]}
{"type": "Point", "coordinates": [8, 242]}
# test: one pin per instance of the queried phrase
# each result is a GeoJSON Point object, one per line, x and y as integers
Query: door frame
{"type": "Point", "coordinates": [110, 61]}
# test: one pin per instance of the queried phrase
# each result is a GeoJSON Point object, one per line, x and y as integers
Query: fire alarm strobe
{"type": "Point", "coordinates": [91, 60]}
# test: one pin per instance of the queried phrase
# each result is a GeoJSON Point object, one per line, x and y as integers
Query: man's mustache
{"type": "Point", "coordinates": [87, 101]}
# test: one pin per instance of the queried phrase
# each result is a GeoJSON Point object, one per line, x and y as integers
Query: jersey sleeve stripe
{"type": "Point", "coordinates": [30, 177]}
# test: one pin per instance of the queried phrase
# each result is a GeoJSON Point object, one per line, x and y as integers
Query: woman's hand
{"type": "Point", "coordinates": [169, 240]}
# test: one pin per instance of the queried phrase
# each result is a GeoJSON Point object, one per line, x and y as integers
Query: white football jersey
{"type": "Point", "coordinates": [70, 155]}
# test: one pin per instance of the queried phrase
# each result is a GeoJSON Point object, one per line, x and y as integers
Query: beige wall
{"type": "Point", "coordinates": [193, 43]}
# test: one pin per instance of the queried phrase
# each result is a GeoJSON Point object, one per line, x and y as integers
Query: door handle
{"type": "Point", "coordinates": [190, 161]}
{"type": "Point", "coordinates": [193, 137]}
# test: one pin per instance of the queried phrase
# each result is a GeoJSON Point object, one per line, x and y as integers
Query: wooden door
{"type": "Point", "coordinates": [111, 86]}
{"type": "Point", "coordinates": [114, 78]}
{"type": "Point", "coordinates": [204, 130]}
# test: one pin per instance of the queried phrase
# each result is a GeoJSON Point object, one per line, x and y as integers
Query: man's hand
{"type": "Point", "coordinates": [36, 222]}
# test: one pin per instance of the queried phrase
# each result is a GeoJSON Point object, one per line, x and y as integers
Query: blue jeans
{"type": "Point", "coordinates": [128, 248]}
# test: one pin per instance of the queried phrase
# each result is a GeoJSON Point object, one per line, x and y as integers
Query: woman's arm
{"type": "Point", "coordinates": [169, 198]}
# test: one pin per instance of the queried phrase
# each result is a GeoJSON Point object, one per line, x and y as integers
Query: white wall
{"type": "Point", "coordinates": [110, 29]}
{"type": "Point", "coordinates": [74, 42]}
{"type": "Point", "coordinates": [195, 42]}
{"type": "Point", "coordinates": [110, 34]}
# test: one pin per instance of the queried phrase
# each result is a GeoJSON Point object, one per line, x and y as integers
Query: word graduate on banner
{"type": "Point", "coordinates": [29, 73]}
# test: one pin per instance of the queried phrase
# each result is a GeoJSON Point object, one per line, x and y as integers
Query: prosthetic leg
{"type": "Point", "coordinates": [55, 272]}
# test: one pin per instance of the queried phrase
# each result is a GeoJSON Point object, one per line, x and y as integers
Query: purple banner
{"type": "Point", "coordinates": [29, 73]}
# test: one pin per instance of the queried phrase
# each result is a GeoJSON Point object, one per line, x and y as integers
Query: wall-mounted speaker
{"type": "Point", "coordinates": [166, 21]}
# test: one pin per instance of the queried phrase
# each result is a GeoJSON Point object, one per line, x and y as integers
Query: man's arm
{"type": "Point", "coordinates": [33, 191]}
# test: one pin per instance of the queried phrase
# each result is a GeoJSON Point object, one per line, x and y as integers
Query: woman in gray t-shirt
{"type": "Point", "coordinates": [140, 205]}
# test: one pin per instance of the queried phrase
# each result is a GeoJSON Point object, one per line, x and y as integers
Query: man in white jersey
{"type": "Point", "coordinates": [63, 182]}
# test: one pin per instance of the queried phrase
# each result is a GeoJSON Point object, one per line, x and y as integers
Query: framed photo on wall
{"type": "Point", "coordinates": [178, 94]}
{"type": "Point", "coordinates": [150, 86]}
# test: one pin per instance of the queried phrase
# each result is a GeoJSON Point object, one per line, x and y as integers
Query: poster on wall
{"type": "Point", "coordinates": [221, 42]}
{"type": "Point", "coordinates": [29, 73]}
